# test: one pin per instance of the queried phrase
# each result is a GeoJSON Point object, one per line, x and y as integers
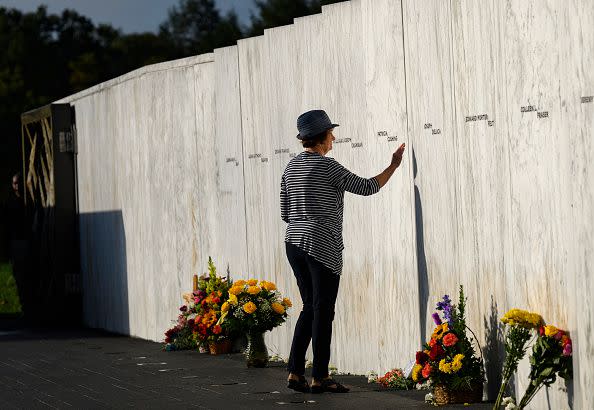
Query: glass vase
{"type": "Point", "coordinates": [256, 353]}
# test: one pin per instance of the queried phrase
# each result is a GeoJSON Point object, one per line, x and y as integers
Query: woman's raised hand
{"type": "Point", "coordinates": [397, 156]}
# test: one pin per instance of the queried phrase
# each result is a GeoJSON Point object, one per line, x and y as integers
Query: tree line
{"type": "Point", "coordinates": [48, 56]}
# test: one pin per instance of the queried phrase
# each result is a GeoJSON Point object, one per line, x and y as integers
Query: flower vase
{"type": "Point", "coordinates": [256, 353]}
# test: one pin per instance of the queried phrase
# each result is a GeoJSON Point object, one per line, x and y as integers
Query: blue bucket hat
{"type": "Point", "coordinates": [312, 123]}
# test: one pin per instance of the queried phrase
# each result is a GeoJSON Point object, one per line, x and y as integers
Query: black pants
{"type": "Point", "coordinates": [318, 287]}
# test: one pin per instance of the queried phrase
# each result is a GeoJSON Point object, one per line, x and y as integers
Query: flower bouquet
{"type": "Point", "coordinates": [197, 325]}
{"type": "Point", "coordinates": [254, 307]}
{"type": "Point", "coordinates": [207, 331]}
{"type": "Point", "coordinates": [180, 336]}
{"type": "Point", "coordinates": [448, 360]}
{"type": "Point", "coordinates": [551, 357]}
{"type": "Point", "coordinates": [396, 379]}
{"type": "Point", "coordinates": [519, 324]}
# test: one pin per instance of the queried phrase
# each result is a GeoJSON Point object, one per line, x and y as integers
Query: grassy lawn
{"type": "Point", "coordinates": [9, 298]}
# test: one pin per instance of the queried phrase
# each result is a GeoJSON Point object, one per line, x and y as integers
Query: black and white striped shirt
{"type": "Point", "coordinates": [312, 203]}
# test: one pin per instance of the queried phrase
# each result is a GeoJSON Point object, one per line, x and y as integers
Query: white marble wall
{"type": "Point", "coordinates": [182, 160]}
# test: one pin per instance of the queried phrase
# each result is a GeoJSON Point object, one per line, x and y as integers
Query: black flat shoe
{"type": "Point", "coordinates": [330, 386]}
{"type": "Point", "coordinates": [298, 385]}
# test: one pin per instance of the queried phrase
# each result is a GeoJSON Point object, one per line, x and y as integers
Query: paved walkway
{"type": "Point", "coordinates": [92, 369]}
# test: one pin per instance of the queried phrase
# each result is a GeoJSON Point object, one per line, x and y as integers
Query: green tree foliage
{"type": "Point", "coordinates": [274, 13]}
{"type": "Point", "coordinates": [196, 27]}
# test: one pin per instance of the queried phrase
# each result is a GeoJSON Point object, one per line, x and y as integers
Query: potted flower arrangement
{"type": "Point", "coordinates": [254, 307]}
{"type": "Point", "coordinates": [448, 361]}
{"type": "Point", "coordinates": [197, 325]}
{"type": "Point", "coordinates": [207, 331]}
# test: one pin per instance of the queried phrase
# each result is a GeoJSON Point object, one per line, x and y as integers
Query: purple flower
{"type": "Point", "coordinates": [184, 308]}
{"type": "Point", "coordinates": [446, 307]}
{"type": "Point", "coordinates": [567, 350]}
{"type": "Point", "coordinates": [436, 319]}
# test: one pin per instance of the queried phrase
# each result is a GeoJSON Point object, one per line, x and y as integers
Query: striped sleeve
{"type": "Point", "coordinates": [345, 180]}
{"type": "Point", "coordinates": [284, 201]}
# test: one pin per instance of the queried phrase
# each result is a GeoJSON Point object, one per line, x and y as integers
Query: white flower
{"type": "Point", "coordinates": [371, 377]}
{"type": "Point", "coordinates": [508, 400]}
{"type": "Point", "coordinates": [509, 403]}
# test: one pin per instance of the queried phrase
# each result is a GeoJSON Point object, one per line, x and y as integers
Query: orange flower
{"type": "Point", "coordinates": [252, 282]}
{"type": "Point", "coordinates": [278, 308]}
{"type": "Point", "coordinates": [254, 290]}
{"type": "Point", "coordinates": [287, 302]}
{"type": "Point", "coordinates": [269, 286]}
{"type": "Point", "coordinates": [426, 370]}
{"type": "Point", "coordinates": [249, 307]}
{"type": "Point", "coordinates": [450, 340]}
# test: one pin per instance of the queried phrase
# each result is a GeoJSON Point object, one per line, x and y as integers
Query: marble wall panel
{"type": "Point", "coordinates": [230, 249]}
{"type": "Point", "coordinates": [395, 277]}
{"type": "Point", "coordinates": [259, 179]}
{"type": "Point", "coordinates": [540, 164]}
{"type": "Point", "coordinates": [577, 85]}
{"type": "Point", "coordinates": [431, 129]}
{"type": "Point", "coordinates": [483, 187]}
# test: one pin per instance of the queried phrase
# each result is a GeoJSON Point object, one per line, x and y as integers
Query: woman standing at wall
{"type": "Point", "coordinates": [312, 199]}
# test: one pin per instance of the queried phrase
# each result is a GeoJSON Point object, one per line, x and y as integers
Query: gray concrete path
{"type": "Point", "coordinates": [91, 369]}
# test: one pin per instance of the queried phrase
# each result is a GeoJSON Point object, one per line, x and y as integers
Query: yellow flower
{"type": "Point", "coordinates": [439, 331]}
{"type": "Point", "coordinates": [415, 372]}
{"type": "Point", "coordinates": [551, 330]}
{"type": "Point", "coordinates": [453, 366]}
{"type": "Point", "coordinates": [225, 307]}
{"type": "Point", "coordinates": [269, 286]}
{"type": "Point", "coordinates": [252, 282]}
{"type": "Point", "coordinates": [457, 362]}
{"type": "Point", "coordinates": [249, 307]}
{"type": "Point", "coordinates": [254, 290]}
{"type": "Point", "coordinates": [445, 366]}
{"type": "Point", "coordinates": [278, 308]}
{"type": "Point", "coordinates": [522, 318]}
{"type": "Point", "coordinates": [287, 302]}
{"type": "Point", "coordinates": [235, 290]}
{"type": "Point", "coordinates": [240, 282]}
{"type": "Point", "coordinates": [232, 299]}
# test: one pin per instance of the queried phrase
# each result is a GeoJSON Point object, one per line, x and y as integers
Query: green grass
{"type": "Point", "coordinates": [9, 298]}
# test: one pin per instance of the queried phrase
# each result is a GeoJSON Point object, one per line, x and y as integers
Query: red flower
{"type": "Point", "coordinates": [436, 352]}
{"type": "Point", "coordinates": [450, 340]}
{"type": "Point", "coordinates": [559, 334]}
{"type": "Point", "coordinates": [184, 308]}
{"type": "Point", "coordinates": [432, 342]}
{"type": "Point", "coordinates": [217, 329]}
{"type": "Point", "coordinates": [422, 357]}
{"type": "Point", "coordinates": [426, 370]}
{"type": "Point", "coordinates": [202, 329]}
{"type": "Point", "coordinates": [541, 331]}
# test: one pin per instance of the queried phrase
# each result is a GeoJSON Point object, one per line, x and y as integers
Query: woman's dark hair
{"type": "Point", "coordinates": [315, 140]}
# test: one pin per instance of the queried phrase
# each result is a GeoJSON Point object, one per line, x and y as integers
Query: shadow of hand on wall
{"type": "Point", "coordinates": [494, 353]}
{"type": "Point", "coordinates": [423, 280]}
